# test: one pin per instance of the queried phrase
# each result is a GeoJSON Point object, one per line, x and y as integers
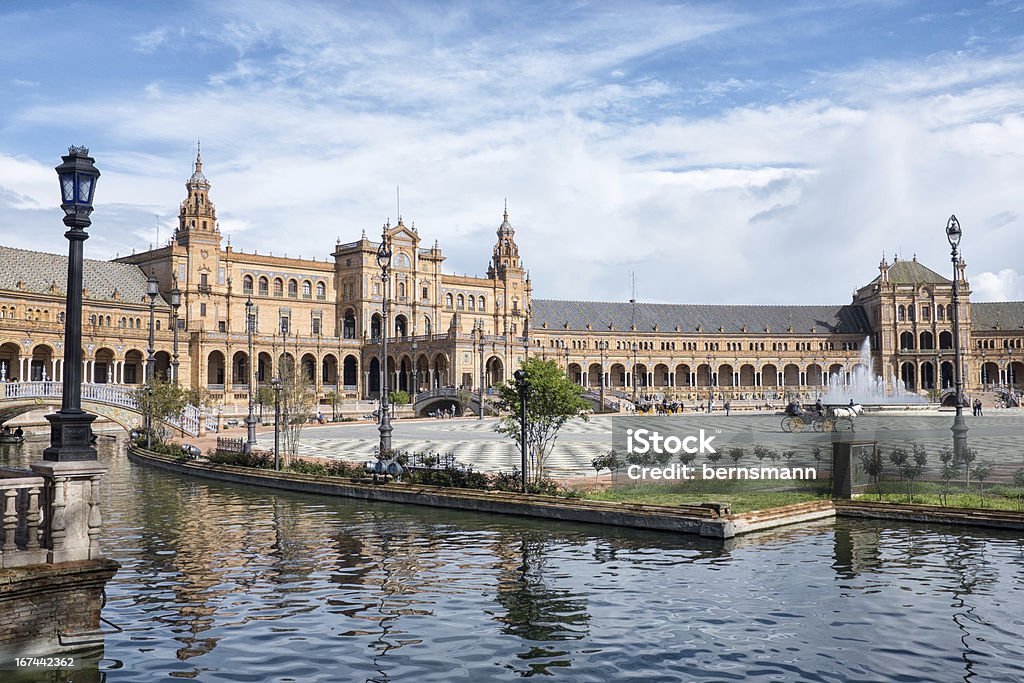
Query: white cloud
{"type": "Point", "coordinates": [1006, 285]}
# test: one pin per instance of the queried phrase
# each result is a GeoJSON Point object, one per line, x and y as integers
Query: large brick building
{"type": "Point", "coordinates": [325, 316]}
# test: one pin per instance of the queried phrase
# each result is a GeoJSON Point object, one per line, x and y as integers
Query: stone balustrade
{"type": "Point", "coordinates": [51, 513]}
{"type": "Point", "coordinates": [22, 518]}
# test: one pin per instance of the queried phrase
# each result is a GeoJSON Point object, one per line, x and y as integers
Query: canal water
{"type": "Point", "coordinates": [228, 583]}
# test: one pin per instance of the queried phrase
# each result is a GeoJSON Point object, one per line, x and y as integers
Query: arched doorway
{"type": "Point", "coordinates": [103, 368]}
{"type": "Point", "coordinates": [329, 370]}
{"type": "Point", "coordinates": [617, 375]}
{"type": "Point", "coordinates": [264, 368]}
{"type": "Point", "coordinates": [441, 378]}
{"type": "Point", "coordinates": [574, 370]}
{"type": "Point", "coordinates": [401, 326]}
{"type": "Point", "coordinates": [769, 375]}
{"type": "Point", "coordinates": [42, 365]}
{"type": "Point", "coordinates": [350, 373]}
{"type": "Point", "coordinates": [927, 376]}
{"type": "Point", "coordinates": [348, 325]}
{"type": "Point", "coordinates": [10, 361]}
{"type": "Point", "coordinates": [162, 363]}
{"type": "Point", "coordinates": [815, 375]}
{"type": "Point", "coordinates": [308, 368]}
{"type": "Point", "coordinates": [791, 375]}
{"type": "Point", "coordinates": [134, 366]}
{"type": "Point", "coordinates": [909, 376]}
{"type": "Point", "coordinates": [214, 370]}
{"type": "Point", "coordinates": [725, 375]}
{"type": "Point", "coordinates": [422, 380]}
{"type": "Point", "coordinates": [240, 369]}
{"type": "Point", "coordinates": [496, 371]}
{"type": "Point", "coordinates": [946, 375]}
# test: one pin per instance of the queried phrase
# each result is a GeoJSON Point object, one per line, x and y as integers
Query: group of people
{"type": "Point", "coordinates": [977, 407]}
{"type": "Point", "coordinates": [18, 432]}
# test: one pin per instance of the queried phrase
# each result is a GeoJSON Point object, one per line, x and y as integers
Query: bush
{"type": "Point", "coordinates": [400, 397]}
{"type": "Point", "coordinates": [257, 459]}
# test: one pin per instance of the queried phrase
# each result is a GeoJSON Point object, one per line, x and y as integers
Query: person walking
{"type": "Point", "coordinates": [728, 406]}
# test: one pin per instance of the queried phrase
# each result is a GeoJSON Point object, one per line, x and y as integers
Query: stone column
{"type": "Point", "coordinates": [72, 509]}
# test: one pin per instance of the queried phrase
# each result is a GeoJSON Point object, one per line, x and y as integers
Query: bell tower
{"type": "Point", "coordinates": [505, 263]}
{"type": "Point", "coordinates": [197, 218]}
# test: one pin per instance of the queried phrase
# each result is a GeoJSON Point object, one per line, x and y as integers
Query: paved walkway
{"type": "Point", "coordinates": [998, 436]}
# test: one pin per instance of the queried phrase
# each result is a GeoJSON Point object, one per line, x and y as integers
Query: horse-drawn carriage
{"type": "Point", "coordinates": [830, 418]}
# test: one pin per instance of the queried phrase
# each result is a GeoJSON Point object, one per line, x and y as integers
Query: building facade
{"type": "Point", "coordinates": [324, 317]}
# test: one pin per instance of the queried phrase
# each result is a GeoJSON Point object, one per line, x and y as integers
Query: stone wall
{"type": "Point", "coordinates": [44, 604]}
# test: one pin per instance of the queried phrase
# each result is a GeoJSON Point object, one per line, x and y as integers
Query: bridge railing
{"type": "Point", "coordinates": [22, 518]}
{"type": "Point", "coordinates": [109, 394]}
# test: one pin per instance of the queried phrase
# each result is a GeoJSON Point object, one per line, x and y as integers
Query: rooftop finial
{"type": "Point", "coordinates": [199, 156]}
{"type": "Point", "coordinates": [506, 209]}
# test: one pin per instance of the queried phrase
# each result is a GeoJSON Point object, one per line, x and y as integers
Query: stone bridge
{"type": "Point", "coordinates": [112, 401]}
{"type": "Point", "coordinates": [441, 398]}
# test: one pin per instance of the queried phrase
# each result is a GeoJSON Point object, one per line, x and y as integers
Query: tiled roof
{"type": "Point", "coordinates": [709, 317]}
{"type": "Point", "coordinates": [1004, 315]}
{"type": "Point", "coordinates": [39, 271]}
{"type": "Point", "coordinates": [913, 273]}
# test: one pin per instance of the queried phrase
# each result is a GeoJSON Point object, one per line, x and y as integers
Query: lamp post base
{"type": "Point", "coordinates": [385, 433]}
{"type": "Point", "coordinates": [70, 437]}
{"type": "Point", "coordinates": [250, 429]}
{"type": "Point", "coordinates": [959, 430]}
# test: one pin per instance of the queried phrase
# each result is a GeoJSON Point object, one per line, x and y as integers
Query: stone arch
{"type": "Point", "coordinates": [104, 370]}
{"type": "Point", "coordinates": [307, 368]}
{"type": "Point", "coordinates": [575, 372]}
{"type": "Point", "coordinates": [617, 375]}
{"type": "Point", "coordinates": [945, 339]}
{"type": "Point", "coordinates": [594, 375]}
{"type": "Point", "coordinates": [815, 375]}
{"type": "Point", "coordinates": [989, 373]}
{"type": "Point", "coordinates": [373, 380]}
{"type": "Point", "coordinates": [422, 379]}
{"type": "Point", "coordinates": [350, 372]}
{"type": "Point", "coordinates": [264, 367]}
{"type": "Point", "coordinates": [263, 286]}
{"type": "Point", "coordinates": [748, 375]}
{"type": "Point", "coordinates": [162, 365]}
{"type": "Point", "coordinates": [908, 375]}
{"type": "Point", "coordinates": [427, 330]}
{"type": "Point", "coordinates": [683, 375]}
{"type": "Point", "coordinates": [769, 375]}
{"type": "Point", "coordinates": [927, 375]}
{"type": "Point", "coordinates": [401, 326]}
{"type": "Point", "coordinates": [725, 375]}
{"type": "Point", "coordinates": [247, 283]}
{"type": "Point", "coordinates": [441, 370]}
{"type": "Point", "coordinates": [293, 288]}
{"type": "Point", "coordinates": [926, 341]}
{"type": "Point", "coordinates": [10, 361]}
{"type": "Point", "coordinates": [348, 324]}
{"type": "Point", "coordinates": [41, 366]}
{"type": "Point", "coordinates": [375, 324]}
{"type": "Point", "coordinates": [791, 375]}
{"type": "Point", "coordinates": [704, 377]}
{"type": "Point", "coordinates": [240, 368]}
{"type": "Point", "coordinates": [278, 287]}
{"type": "Point", "coordinates": [946, 375]}
{"type": "Point", "coordinates": [329, 369]}
{"type": "Point", "coordinates": [906, 341]}
{"type": "Point", "coordinates": [215, 370]}
{"type": "Point", "coordinates": [661, 375]}
{"type": "Point", "coordinates": [133, 371]}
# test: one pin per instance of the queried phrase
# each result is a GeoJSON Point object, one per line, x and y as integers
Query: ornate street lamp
{"type": "Point", "coordinates": [70, 426]}
{"type": "Point", "coordinates": [603, 346]}
{"type": "Point", "coordinates": [384, 254]}
{"type": "Point", "coordinates": [250, 419]}
{"type": "Point", "coordinates": [634, 372]}
{"type": "Point", "coordinates": [480, 392]}
{"type": "Point", "coordinates": [175, 305]}
{"type": "Point", "coordinates": [275, 383]}
{"type": "Point", "coordinates": [959, 428]}
{"type": "Point", "coordinates": [522, 388]}
{"type": "Point", "coordinates": [152, 289]}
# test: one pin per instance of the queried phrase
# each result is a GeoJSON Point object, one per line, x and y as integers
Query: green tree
{"type": "Point", "coordinates": [909, 467]}
{"type": "Point", "coordinates": [264, 397]}
{"type": "Point", "coordinates": [1018, 483]}
{"type": "Point", "coordinates": [967, 457]}
{"type": "Point", "coordinates": [551, 401]}
{"type": "Point", "coordinates": [609, 461]}
{"type": "Point", "coordinates": [163, 400]}
{"type": "Point", "coordinates": [400, 397]}
{"type": "Point", "coordinates": [949, 471]}
{"type": "Point", "coordinates": [982, 470]}
{"type": "Point", "coordinates": [298, 399]}
{"type": "Point", "coordinates": [874, 466]}
{"type": "Point", "coordinates": [736, 454]}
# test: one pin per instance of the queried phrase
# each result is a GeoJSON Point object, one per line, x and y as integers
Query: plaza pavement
{"type": "Point", "coordinates": [997, 437]}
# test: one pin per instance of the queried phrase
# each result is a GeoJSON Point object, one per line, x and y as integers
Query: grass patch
{"type": "Point", "coordinates": [991, 496]}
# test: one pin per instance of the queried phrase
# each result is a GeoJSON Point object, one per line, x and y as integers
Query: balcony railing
{"type": "Point", "coordinates": [22, 507]}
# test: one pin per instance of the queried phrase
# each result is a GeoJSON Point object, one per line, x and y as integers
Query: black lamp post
{"type": "Point", "coordinates": [634, 345]}
{"type": "Point", "coordinates": [603, 346]}
{"type": "Point", "coordinates": [70, 426]}
{"type": "Point", "coordinates": [384, 261]}
{"type": "Point", "coordinates": [521, 387]}
{"type": "Point", "coordinates": [250, 419]}
{"type": "Point", "coordinates": [276, 384]}
{"type": "Point", "coordinates": [175, 305]}
{"type": "Point", "coordinates": [152, 289]}
{"type": "Point", "coordinates": [959, 428]}
{"type": "Point", "coordinates": [480, 392]}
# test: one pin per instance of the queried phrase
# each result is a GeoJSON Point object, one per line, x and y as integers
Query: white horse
{"type": "Point", "coordinates": [848, 411]}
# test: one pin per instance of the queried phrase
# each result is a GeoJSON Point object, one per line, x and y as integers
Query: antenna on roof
{"type": "Point", "coordinates": [398, 202]}
{"type": "Point", "coordinates": [157, 217]}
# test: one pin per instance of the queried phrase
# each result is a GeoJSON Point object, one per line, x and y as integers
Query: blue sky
{"type": "Point", "coordinates": [748, 152]}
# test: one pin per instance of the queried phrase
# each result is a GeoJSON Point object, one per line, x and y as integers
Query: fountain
{"type": "Point", "coordinates": [867, 388]}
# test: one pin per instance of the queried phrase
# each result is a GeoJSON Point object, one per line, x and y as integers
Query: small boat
{"type": "Point", "coordinates": [11, 438]}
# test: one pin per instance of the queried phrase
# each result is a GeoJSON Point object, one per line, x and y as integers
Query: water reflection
{"type": "Point", "coordinates": [227, 582]}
